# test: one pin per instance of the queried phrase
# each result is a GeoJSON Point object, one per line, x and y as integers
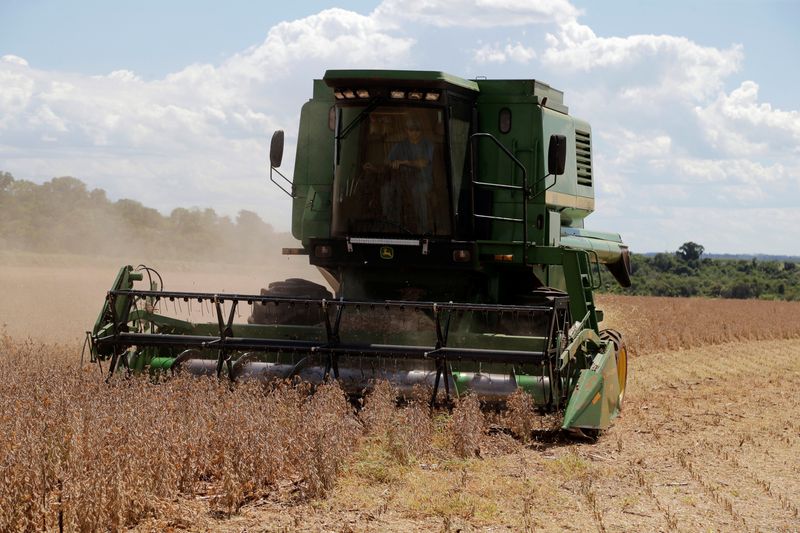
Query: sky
{"type": "Point", "coordinates": [694, 107]}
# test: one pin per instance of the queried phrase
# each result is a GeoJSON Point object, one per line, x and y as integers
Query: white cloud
{"type": "Point", "coordinates": [729, 229]}
{"type": "Point", "coordinates": [496, 53]}
{"type": "Point", "coordinates": [337, 36]}
{"type": "Point", "coordinates": [670, 139]}
{"type": "Point", "coordinates": [124, 75]}
{"type": "Point", "coordinates": [475, 13]}
{"type": "Point", "coordinates": [684, 198]}
{"type": "Point", "coordinates": [14, 60]}
{"type": "Point", "coordinates": [45, 118]}
{"type": "Point", "coordinates": [677, 65]}
{"type": "Point", "coordinates": [618, 167]}
{"type": "Point", "coordinates": [721, 228]}
{"type": "Point", "coordinates": [739, 124]}
{"type": "Point", "coordinates": [741, 171]}
{"type": "Point", "coordinates": [198, 135]}
{"type": "Point", "coordinates": [16, 90]}
{"type": "Point", "coordinates": [652, 101]}
{"type": "Point", "coordinates": [638, 146]}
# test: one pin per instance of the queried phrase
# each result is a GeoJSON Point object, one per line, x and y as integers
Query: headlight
{"type": "Point", "coordinates": [323, 250]}
{"type": "Point", "coordinates": [461, 256]}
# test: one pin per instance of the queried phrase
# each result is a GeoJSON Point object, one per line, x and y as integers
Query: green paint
{"type": "Point", "coordinates": [395, 224]}
{"type": "Point", "coordinates": [161, 363]}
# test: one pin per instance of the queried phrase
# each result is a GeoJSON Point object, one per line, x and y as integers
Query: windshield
{"type": "Point", "coordinates": [390, 175]}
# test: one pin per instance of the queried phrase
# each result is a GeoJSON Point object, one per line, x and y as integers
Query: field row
{"type": "Point", "coordinates": [652, 324]}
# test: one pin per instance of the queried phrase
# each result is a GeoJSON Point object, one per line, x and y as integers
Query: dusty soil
{"type": "Point", "coordinates": [709, 438]}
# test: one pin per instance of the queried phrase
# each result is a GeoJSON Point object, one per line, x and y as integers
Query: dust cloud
{"type": "Point", "coordinates": [57, 297]}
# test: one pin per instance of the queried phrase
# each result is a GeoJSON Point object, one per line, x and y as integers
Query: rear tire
{"type": "Point", "coordinates": [286, 314]}
{"type": "Point", "coordinates": [621, 356]}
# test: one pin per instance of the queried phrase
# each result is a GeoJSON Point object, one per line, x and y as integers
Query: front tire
{"type": "Point", "coordinates": [285, 314]}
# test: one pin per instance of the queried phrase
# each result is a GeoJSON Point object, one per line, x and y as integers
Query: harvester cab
{"type": "Point", "coordinates": [447, 216]}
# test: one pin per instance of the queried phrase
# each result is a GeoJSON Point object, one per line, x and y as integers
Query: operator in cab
{"type": "Point", "coordinates": [410, 161]}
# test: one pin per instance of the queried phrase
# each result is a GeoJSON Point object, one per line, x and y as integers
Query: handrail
{"type": "Point", "coordinates": [599, 274]}
{"type": "Point", "coordinates": [523, 187]}
{"type": "Point", "coordinates": [287, 180]}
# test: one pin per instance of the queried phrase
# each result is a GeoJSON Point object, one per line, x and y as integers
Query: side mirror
{"type": "Point", "coordinates": [556, 154]}
{"type": "Point", "coordinates": [276, 149]}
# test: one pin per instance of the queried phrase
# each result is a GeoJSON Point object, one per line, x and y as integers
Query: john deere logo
{"type": "Point", "coordinates": [387, 252]}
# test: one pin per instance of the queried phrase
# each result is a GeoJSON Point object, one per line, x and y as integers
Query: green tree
{"type": "Point", "coordinates": [6, 179]}
{"type": "Point", "coordinates": [250, 222]}
{"type": "Point", "coordinates": [690, 251]}
{"type": "Point", "coordinates": [663, 262]}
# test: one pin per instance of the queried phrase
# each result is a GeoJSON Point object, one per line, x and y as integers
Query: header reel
{"type": "Point", "coordinates": [486, 349]}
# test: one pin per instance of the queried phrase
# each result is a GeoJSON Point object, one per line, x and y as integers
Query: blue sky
{"type": "Point", "coordinates": [694, 108]}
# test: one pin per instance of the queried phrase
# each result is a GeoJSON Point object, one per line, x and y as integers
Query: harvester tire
{"type": "Point", "coordinates": [621, 355]}
{"type": "Point", "coordinates": [299, 315]}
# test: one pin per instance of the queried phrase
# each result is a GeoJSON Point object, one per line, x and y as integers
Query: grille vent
{"type": "Point", "coordinates": [583, 156]}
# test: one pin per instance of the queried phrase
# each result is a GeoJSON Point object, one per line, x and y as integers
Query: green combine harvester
{"type": "Point", "coordinates": [447, 217]}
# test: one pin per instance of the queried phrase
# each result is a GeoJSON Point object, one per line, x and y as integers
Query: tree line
{"type": "Point", "coordinates": [64, 216]}
{"type": "Point", "coordinates": [687, 273]}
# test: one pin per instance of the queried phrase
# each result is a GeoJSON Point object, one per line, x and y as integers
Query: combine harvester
{"type": "Point", "coordinates": [447, 216]}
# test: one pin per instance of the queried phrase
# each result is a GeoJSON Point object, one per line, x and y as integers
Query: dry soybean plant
{"type": "Point", "coordinates": [652, 324]}
{"type": "Point", "coordinates": [87, 455]}
{"type": "Point", "coordinates": [406, 432]}
{"type": "Point", "coordinates": [467, 426]}
{"type": "Point", "coordinates": [82, 454]}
